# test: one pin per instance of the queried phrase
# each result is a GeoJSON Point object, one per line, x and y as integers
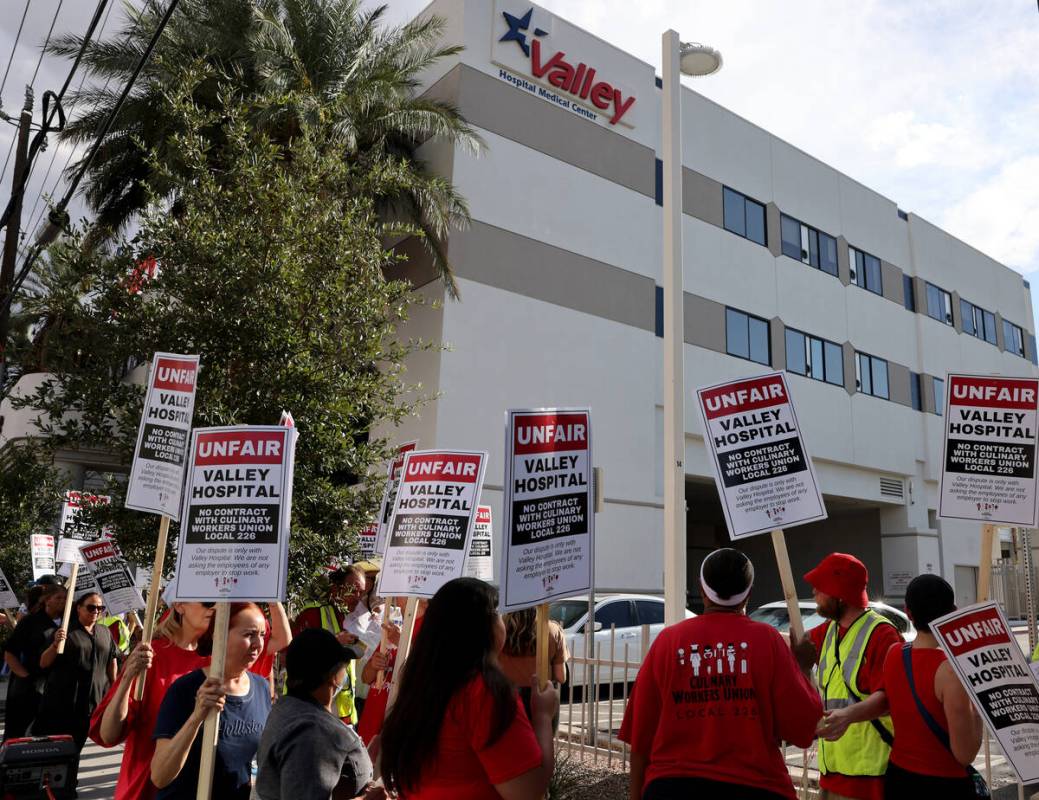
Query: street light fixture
{"type": "Point", "coordinates": [690, 59]}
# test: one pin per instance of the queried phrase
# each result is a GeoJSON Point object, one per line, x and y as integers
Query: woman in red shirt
{"type": "Point", "coordinates": [172, 653]}
{"type": "Point", "coordinates": [921, 763]}
{"type": "Point", "coordinates": [715, 697]}
{"type": "Point", "coordinates": [457, 730]}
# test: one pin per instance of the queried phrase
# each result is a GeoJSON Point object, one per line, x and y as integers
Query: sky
{"type": "Point", "coordinates": [933, 103]}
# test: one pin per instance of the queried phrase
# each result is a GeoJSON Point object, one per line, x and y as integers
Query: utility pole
{"type": "Point", "coordinates": [14, 227]}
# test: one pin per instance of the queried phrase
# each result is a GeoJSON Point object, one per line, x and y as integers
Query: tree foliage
{"type": "Point", "coordinates": [271, 270]}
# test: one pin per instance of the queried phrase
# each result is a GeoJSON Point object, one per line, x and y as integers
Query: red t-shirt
{"type": "Point", "coordinates": [870, 678]}
{"type": "Point", "coordinates": [714, 698]}
{"type": "Point", "coordinates": [168, 663]}
{"type": "Point", "coordinates": [916, 747]}
{"type": "Point", "coordinates": [465, 767]}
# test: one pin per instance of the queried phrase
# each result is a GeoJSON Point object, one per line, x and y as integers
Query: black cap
{"type": "Point", "coordinates": [311, 656]}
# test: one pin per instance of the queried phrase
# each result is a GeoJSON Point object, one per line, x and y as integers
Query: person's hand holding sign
{"type": "Point", "coordinates": [139, 661]}
{"type": "Point", "coordinates": [210, 697]}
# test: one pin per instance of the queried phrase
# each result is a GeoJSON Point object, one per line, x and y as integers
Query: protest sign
{"type": "Point", "coordinates": [157, 473]}
{"type": "Point", "coordinates": [234, 535]}
{"type": "Point", "coordinates": [74, 531]}
{"type": "Point", "coordinates": [41, 546]}
{"type": "Point", "coordinates": [988, 463]}
{"type": "Point", "coordinates": [113, 577]}
{"type": "Point", "coordinates": [8, 599]}
{"type": "Point", "coordinates": [432, 521]}
{"type": "Point", "coordinates": [479, 557]}
{"type": "Point", "coordinates": [389, 494]}
{"type": "Point", "coordinates": [989, 663]}
{"type": "Point", "coordinates": [366, 539]}
{"type": "Point", "coordinates": [762, 469]}
{"type": "Point", "coordinates": [85, 583]}
{"type": "Point", "coordinates": [548, 508]}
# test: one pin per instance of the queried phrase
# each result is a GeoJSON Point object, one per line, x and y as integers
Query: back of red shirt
{"type": "Point", "coordinates": [169, 663]}
{"type": "Point", "coordinates": [713, 700]}
{"type": "Point", "coordinates": [916, 747]}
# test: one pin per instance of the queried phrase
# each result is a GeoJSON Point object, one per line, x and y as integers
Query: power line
{"type": "Point", "coordinates": [33, 219]}
{"type": "Point", "coordinates": [17, 36]}
{"type": "Point", "coordinates": [84, 165]}
{"type": "Point", "coordinates": [32, 83]}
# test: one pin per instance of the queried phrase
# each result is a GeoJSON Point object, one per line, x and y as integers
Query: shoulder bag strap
{"type": "Point", "coordinates": [940, 733]}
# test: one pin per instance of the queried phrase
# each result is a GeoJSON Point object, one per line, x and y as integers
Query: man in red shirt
{"type": "Point", "coordinates": [851, 648]}
{"type": "Point", "coordinates": [715, 697]}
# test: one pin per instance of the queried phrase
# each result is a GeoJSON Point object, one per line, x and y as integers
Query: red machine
{"type": "Point", "coordinates": [36, 768]}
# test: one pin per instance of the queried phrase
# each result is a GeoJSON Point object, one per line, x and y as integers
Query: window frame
{"type": "Point", "coordinates": [809, 247]}
{"type": "Point", "coordinates": [916, 393]}
{"type": "Point", "coordinates": [750, 344]}
{"type": "Point", "coordinates": [1017, 334]}
{"type": "Point", "coordinates": [729, 193]}
{"type": "Point", "coordinates": [808, 346]}
{"type": "Point", "coordinates": [946, 299]}
{"type": "Point", "coordinates": [908, 293]}
{"type": "Point", "coordinates": [938, 395]}
{"type": "Point", "coordinates": [861, 272]}
{"type": "Point", "coordinates": [860, 383]}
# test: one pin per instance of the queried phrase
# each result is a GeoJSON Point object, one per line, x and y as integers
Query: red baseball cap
{"type": "Point", "coordinates": [842, 576]}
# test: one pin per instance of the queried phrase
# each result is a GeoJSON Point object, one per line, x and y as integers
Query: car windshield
{"type": "Point", "coordinates": [567, 612]}
{"type": "Point", "coordinates": [779, 618]}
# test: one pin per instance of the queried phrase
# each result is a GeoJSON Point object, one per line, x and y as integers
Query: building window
{"type": "Point", "coordinates": [747, 337]}
{"type": "Point", "coordinates": [865, 270]}
{"type": "Point", "coordinates": [914, 391]}
{"type": "Point", "coordinates": [871, 375]}
{"type": "Point", "coordinates": [978, 322]}
{"type": "Point", "coordinates": [939, 304]}
{"type": "Point", "coordinates": [814, 357]}
{"type": "Point", "coordinates": [744, 216]}
{"type": "Point", "coordinates": [909, 293]}
{"type": "Point", "coordinates": [1013, 339]}
{"type": "Point", "coordinates": [658, 311]}
{"type": "Point", "coordinates": [990, 327]}
{"type": "Point", "coordinates": [806, 244]}
{"type": "Point", "coordinates": [939, 395]}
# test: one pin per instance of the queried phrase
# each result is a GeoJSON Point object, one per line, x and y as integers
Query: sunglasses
{"type": "Point", "coordinates": [95, 609]}
{"type": "Point", "coordinates": [207, 605]}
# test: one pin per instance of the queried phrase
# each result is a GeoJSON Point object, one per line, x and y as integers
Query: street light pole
{"type": "Point", "coordinates": [690, 59]}
{"type": "Point", "coordinates": [674, 338]}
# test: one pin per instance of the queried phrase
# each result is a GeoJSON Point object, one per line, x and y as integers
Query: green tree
{"type": "Point", "coordinates": [340, 70]}
{"type": "Point", "coordinates": [272, 270]}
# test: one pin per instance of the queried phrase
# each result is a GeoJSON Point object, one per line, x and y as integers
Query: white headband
{"type": "Point", "coordinates": [715, 598]}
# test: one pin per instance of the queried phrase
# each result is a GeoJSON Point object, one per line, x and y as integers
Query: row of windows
{"type": "Point", "coordinates": [747, 336]}
{"type": "Point", "coordinates": [746, 217]}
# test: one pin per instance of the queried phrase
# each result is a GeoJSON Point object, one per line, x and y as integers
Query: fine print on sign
{"type": "Point", "coordinates": [989, 470]}
{"type": "Point", "coordinates": [42, 548]}
{"type": "Point", "coordinates": [480, 556]}
{"type": "Point", "coordinates": [548, 509]}
{"type": "Point", "coordinates": [764, 475]}
{"type": "Point", "coordinates": [389, 494]}
{"type": "Point", "coordinates": [74, 531]}
{"type": "Point", "coordinates": [8, 599]}
{"type": "Point", "coordinates": [431, 522]}
{"type": "Point", "coordinates": [989, 663]}
{"type": "Point", "coordinates": [112, 577]}
{"type": "Point", "coordinates": [234, 537]}
{"type": "Point", "coordinates": [366, 539]}
{"type": "Point", "coordinates": [157, 474]}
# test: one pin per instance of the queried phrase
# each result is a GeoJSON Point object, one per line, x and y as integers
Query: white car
{"type": "Point", "coordinates": [625, 614]}
{"type": "Point", "coordinates": [777, 615]}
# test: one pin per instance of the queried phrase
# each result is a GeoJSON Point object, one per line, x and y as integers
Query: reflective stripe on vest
{"type": "Point", "coordinates": [344, 701]}
{"type": "Point", "coordinates": [860, 751]}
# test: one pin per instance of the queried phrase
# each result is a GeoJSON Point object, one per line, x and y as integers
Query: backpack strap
{"type": "Point", "coordinates": [940, 733]}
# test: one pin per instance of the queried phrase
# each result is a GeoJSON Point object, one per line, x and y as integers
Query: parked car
{"type": "Point", "coordinates": [620, 616]}
{"type": "Point", "coordinates": [777, 615]}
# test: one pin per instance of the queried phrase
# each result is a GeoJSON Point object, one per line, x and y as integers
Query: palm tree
{"type": "Point", "coordinates": [328, 63]}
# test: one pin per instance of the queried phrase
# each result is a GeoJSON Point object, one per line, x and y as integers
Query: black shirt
{"type": "Point", "coordinates": [29, 640]}
{"type": "Point", "coordinates": [78, 679]}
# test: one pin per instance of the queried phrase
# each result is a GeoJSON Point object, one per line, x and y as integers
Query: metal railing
{"type": "Point", "coordinates": [1009, 587]}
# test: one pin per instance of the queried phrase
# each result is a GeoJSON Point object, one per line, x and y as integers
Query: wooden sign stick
{"type": "Point", "coordinates": [211, 727]}
{"type": "Point", "coordinates": [988, 537]}
{"type": "Point", "coordinates": [384, 645]}
{"type": "Point", "coordinates": [70, 589]}
{"type": "Point", "coordinates": [786, 576]}
{"type": "Point", "coordinates": [410, 612]}
{"type": "Point", "coordinates": [154, 593]}
{"type": "Point", "coordinates": [541, 646]}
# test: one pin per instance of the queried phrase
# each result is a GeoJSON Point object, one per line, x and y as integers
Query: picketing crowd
{"type": "Point", "coordinates": [466, 717]}
{"type": "Point", "coordinates": [714, 699]}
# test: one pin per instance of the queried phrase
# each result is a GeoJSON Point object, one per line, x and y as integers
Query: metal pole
{"type": "Point", "coordinates": [1026, 551]}
{"type": "Point", "coordinates": [14, 225]}
{"type": "Point", "coordinates": [674, 338]}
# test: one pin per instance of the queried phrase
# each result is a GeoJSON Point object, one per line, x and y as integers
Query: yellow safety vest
{"type": "Point", "coordinates": [860, 751]}
{"type": "Point", "coordinates": [344, 702]}
{"type": "Point", "coordinates": [123, 645]}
